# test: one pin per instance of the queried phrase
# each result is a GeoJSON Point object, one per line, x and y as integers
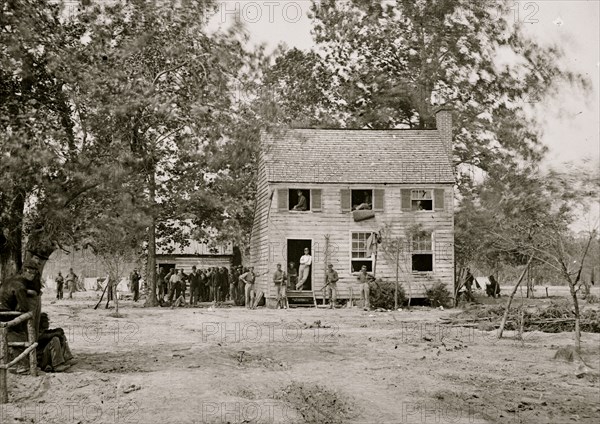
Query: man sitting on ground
{"type": "Point", "coordinates": [53, 353]}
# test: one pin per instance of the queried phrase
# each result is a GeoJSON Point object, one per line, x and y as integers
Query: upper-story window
{"type": "Point", "coordinates": [362, 200]}
{"type": "Point", "coordinates": [423, 199]}
{"type": "Point", "coordinates": [299, 200]}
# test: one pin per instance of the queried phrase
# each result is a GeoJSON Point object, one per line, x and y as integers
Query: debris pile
{"type": "Point", "coordinates": [557, 317]}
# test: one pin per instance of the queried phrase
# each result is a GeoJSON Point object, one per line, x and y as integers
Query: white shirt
{"type": "Point", "coordinates": [306, 260]}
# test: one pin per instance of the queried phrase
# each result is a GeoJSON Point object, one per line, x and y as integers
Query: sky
{"type": "Point", "coordinates": [571, 122]}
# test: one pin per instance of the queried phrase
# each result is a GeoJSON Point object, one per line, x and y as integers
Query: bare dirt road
{"type": "Point", "coordinates": [232, 365]}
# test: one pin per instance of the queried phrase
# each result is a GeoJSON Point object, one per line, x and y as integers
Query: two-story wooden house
{"type": "Point", "coordinates": [356, 183]}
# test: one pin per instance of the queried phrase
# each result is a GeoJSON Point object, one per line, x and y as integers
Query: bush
{"type": "Point", "coordinates": [382, 294]}
{"type": "Point", "coordinates": [439, 295]}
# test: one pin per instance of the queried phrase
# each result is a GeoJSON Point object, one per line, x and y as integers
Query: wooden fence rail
{"type": "Point", "coordinates": [30, 348]}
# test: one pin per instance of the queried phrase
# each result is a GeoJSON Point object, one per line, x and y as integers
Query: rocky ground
{"type": "Point", "coordinates": [232, 365]}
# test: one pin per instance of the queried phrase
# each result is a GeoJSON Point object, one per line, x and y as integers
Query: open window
{"type": "Point", "coordinates": [422, 252]}
{"type": "Point", "coordinates": [361, 252]}
{"type": "Point", "coordinates": [421, 200]}
{"type": "Point", "coordinates": [299, 200]}
{"type": "Point", "coordinates": [362, 200]}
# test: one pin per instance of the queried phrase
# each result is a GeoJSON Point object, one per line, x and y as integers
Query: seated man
{"type": "Point", "coordinates": [366, 205]}
{"type": "Point", "coordinates": [301, 205]}
{"type": "Point", "coordinates": [53, 353]}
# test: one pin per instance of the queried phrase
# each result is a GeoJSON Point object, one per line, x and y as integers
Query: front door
{"type": "Point", "coordinates": [295, 250]}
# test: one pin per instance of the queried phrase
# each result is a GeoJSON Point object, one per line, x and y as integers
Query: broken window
{"type": "Point", "coordinates": [299, 200]}
{"type": "Point", "coordinates": [421, 200]}
{"type": "Point", "coordinates": [361, 252]}
{"type": "Point", "coordinates": [422, 252]}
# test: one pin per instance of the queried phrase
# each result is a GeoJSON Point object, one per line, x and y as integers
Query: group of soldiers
{"type": "Point", "coordinates": [71, 281]}
{"type": "Point", "coordinates": [214, 284]}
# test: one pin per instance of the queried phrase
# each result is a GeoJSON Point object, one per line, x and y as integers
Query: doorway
{"type": "Point", "coordinates": [295, 249]}
{"type": "Point", "coordinates": [165, 268]}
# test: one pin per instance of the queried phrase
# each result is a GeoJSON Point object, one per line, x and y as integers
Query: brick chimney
{"type": "Point", "coordinates": [443, 123]}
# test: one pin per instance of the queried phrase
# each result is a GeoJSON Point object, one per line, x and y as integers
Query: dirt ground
{"type": "Point", "coordinates": [232, 365]}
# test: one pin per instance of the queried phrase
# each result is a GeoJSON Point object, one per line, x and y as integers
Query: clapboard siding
{"type": "Point", "coordinates": [283, 225]}
{"type": "Point", "coordinates": [259, 242]}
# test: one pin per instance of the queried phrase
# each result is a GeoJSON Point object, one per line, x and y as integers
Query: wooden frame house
{"type": "Point", "coordinates": [358, 186]}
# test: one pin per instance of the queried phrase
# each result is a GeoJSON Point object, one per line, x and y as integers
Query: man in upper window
{"type": "Point", "coordinates": [301, 206]}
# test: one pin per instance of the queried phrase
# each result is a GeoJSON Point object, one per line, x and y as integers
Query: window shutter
{"type": "Point", "coordinates": [405, 199]}
{"type": "Point", "coordinates": [438, 199]}
{"type": "Point", "coordinates": [282, 199]}
{"type": "Point", "coordinates": [378, 196]}
{"type": "Point", "coordinates": [315, 198]}
{"type": "Point", "coordinates": [346, 200]}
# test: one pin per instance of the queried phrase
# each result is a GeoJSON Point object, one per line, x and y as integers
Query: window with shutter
{"type": "Point", "coordinates": [438, 199]}
{"type": "Point", "coordinates": [405, 195]}
{"type": "Point", "coordinates": [345, 200]}
{"type": "Point", "coordinates": [378, 198]}
{"type": "Point", "coordinates": [316, 200]}
{"type": "Point", "coordinates": [282, 199]}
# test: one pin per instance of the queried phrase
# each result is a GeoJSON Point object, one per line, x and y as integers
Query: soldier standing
{"type": "Point", "coordinates": [60, 281]}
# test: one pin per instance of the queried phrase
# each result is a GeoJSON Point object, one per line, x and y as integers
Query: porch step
{"type": "Point", "coordinates": [304, 297]}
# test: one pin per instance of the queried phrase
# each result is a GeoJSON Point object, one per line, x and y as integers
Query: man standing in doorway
{"type": "Point", "coordinates": [332, 279]}
{"type": "Point", "coordinates": [292, 275]}
{"type": "Point", "coordinates": [305, 263]}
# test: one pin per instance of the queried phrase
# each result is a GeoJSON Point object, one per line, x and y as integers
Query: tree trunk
{"type": "Point", "coordinates": [11, 237]}
{"type": "Point", "coordinates": [10, 259]}
{"type": "Point", "coordinates": [577, 316]}
{"type": "Point", "coordinates": [510, 299]}
{"type": "Point", "coordinates": [151, 299]}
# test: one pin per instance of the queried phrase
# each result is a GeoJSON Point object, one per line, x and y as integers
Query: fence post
{"type": "Point", "coordinates": [3, 361]}
{"type": "Point", "coordinates": [31, 338]}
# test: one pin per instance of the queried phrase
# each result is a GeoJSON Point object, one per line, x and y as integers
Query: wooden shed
{"type": "Point", "coordinates": [356, 184]}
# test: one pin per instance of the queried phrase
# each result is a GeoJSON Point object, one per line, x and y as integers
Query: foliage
{"type": "Point", "coordinates": [439, 295]}
{"type": "Point", "coordinates": [382, 294]}
{"type": "Point", "coordinates": [47, 169]}
{"type": "Point", "coordinates": [387, 64]}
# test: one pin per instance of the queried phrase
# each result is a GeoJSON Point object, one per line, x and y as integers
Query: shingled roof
{"type": "Point", "coordinates": [356, 156]}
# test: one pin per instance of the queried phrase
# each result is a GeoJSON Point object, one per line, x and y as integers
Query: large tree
{"type": "Point", "coordinates": [387, 64]}
{"type": "Point", "coordinates": [47, 168]}
{"type": "Point", "coordinates": [156, 82]}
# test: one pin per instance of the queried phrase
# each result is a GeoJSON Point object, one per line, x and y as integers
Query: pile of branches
{"type": "Point", "coordinates": [557, 317]}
